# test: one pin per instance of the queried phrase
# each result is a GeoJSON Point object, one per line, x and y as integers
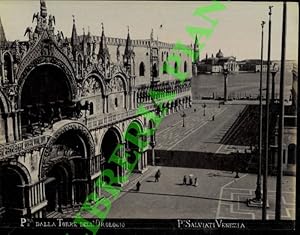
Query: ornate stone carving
{"type": "Point", "coordinates": [44, 47]}
{"type": "Point", "coordinates": [90, 86]}
{"type": "Point", "coordinates": [115, 85]}
{"type": "Point", "coordinates": [45, 164]}
{"type": "Point", "coordinates": [47, 48]}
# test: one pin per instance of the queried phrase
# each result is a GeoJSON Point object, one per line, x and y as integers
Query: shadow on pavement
{"type": "Point", "coordinates": [180, 195]}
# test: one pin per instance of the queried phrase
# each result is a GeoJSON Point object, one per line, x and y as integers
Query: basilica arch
{"type": "Point", "coordinates": [12, 192]}
{"type": "Point", "coordinates": [135, 128]}
{"type": "Point", "coordinates": [46, 92]}
{"type": "Point", "coordinates": [52, 62]}
{"type": "Point", "coordinates": [65, 165]}
{"type": "Point", "coordinates": [110, 141]}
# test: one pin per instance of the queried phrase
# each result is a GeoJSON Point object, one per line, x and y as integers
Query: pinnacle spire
{"type": "Point", "coordinates": [89, 38]}
{"type": "Point", "coordinates": [151, 35]}
{"type": "Point", "coordinates": [196, 40]}
{"type": "Point", "coordinates": [128, 47]}
{"type": "Point", "coordinates": [2, 34]}
{"type": "Point", "coordinates": [103, 50]}
{"type": "Point", "coordinates": [74, 37]}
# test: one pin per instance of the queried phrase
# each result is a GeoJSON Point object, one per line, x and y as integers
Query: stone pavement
{"type": "Point", "coordinates": [71, 212]}
{"type": "Point", "coordinates": [200, 132]}
{"type": "Point", "coordinates": [218, 195]}
{"type": "Point", "coordinates": [233, 197]}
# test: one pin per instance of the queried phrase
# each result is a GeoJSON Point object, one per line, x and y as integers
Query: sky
{"type": "Point", "coordinates": [238, 32]}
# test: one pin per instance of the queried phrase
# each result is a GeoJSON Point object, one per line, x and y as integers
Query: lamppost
{"type": "Point", "coordinates": [274, 70]}
{"type": "Point", "coordinates": [183, 115]}
{"type": "Point", "coordinates": [204, 106]}
{"type": "Point", "coordinates": [225, 73]}
{"type": "Point", "coordinates": [152, 144]}
{"type": "Point", "coordinates": [257, 202]}
{"type": "Point", "coordinates": [266, 163]}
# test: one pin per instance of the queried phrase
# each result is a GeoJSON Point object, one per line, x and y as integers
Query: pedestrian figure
{"type": "Point", "coordinates": [157, 175]}
{"type": "Point", "coordinates": [184, 180]}
{"type": "Point", "coordinates": [195, 182]}
{"type": "Point", "coordinates": [138, 185]}
{"type": "Point", "coordinates": [195, 110]}
{"type": "Point", "coordinates": [213, 117]}
{"type": "Point", "coordinates": [237, 173]}
{"type": "Point", "coordinates": [191, 180]}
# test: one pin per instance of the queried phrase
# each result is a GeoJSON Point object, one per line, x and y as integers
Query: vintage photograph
{"type": "Point", "coordinates": [175, 115]}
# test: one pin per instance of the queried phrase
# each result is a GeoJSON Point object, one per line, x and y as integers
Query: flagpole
{"type": "Point", "coordinates": [265, 179]}
{"type": "Point", "coordinates": [281, 119]}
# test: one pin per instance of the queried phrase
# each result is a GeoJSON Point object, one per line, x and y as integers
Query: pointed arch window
{"type": "Point", "coordinates": [185, 67]}
{"type": "Point", "coordinates": [142, 69]}
{"type": "Point", "coordinates": [176, 67]}
{"type": "Point", "coordinates": [79, 64]}
{"type": "Point", "coordinates": [165, 68]}
{"type": "Point", "coordinates": [8, 77]}
{"type": "Point", "coordinates": [91, 108]}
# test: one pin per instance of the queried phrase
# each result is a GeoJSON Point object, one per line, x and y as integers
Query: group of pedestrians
{"type": "Point", "coordinates": [186, 181]}
{"type": "Point", "coordinates": [156, 176]}
{"type": "Point", "coordinates": [195, 183]}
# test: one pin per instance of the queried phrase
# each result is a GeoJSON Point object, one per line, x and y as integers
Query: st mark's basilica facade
{"type": "Point", "coordinates": [65, 104]}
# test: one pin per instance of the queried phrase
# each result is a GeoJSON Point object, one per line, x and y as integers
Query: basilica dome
{"type": "Point", "coordinates": [219, 54]}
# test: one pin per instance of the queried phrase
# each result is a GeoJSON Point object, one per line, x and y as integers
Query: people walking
{"type": "Point", "coordinates": [138, 185]}
{"type": "Point", "coordinates": [190, 180]}
{"type": "Point", "coordinates": [157, 176]}
{"type": "Point", "coordinates": [195, 182]}
{"type": "Point", "coordinates": [184, 180]}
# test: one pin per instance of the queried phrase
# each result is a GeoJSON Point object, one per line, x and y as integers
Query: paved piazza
{"type": "Point", "coordinates": [200, 132]}
{"type": "Point", "coordinates": [169, 199]}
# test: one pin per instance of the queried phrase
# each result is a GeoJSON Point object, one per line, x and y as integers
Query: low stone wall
{"type": "Point", "coordinates": [203, 160]}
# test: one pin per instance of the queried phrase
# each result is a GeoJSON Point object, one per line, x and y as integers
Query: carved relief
{"type": "Point", "coordinates": [45, 47]}
{"type": "Point", "coordinates": [115, 85]}
{"type": "Point", "coordinates": [46, 162]}
{"type": "Point", "coordinates": [90, 86]}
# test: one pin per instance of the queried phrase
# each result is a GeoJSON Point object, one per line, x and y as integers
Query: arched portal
{"type": "Point", "coordinates": [58, 187]}
{"type": "Point", "coordinates": [135, 129]}
{"type": "Point", "coordinates": [65, 167]}
{"type": "Point", "coordinates": [45, 97]}
{"type": "Point", "coordinates": [12, 192]}
{"type": "Point", "coordinates": [109, 143]}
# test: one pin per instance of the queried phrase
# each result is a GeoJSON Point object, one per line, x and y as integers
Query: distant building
{"type": "Point", "coordinates": [252, 66]}
{"type": "Point", "coordinates": [216, 64]}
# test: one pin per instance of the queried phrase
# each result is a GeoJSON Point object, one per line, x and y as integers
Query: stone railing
{"type": "Point", "coordinates": [37, 142]}
{"type": "Point", "coordinates": [23, 146]}
{"type": "Point", "coordinates": [103, 121]}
